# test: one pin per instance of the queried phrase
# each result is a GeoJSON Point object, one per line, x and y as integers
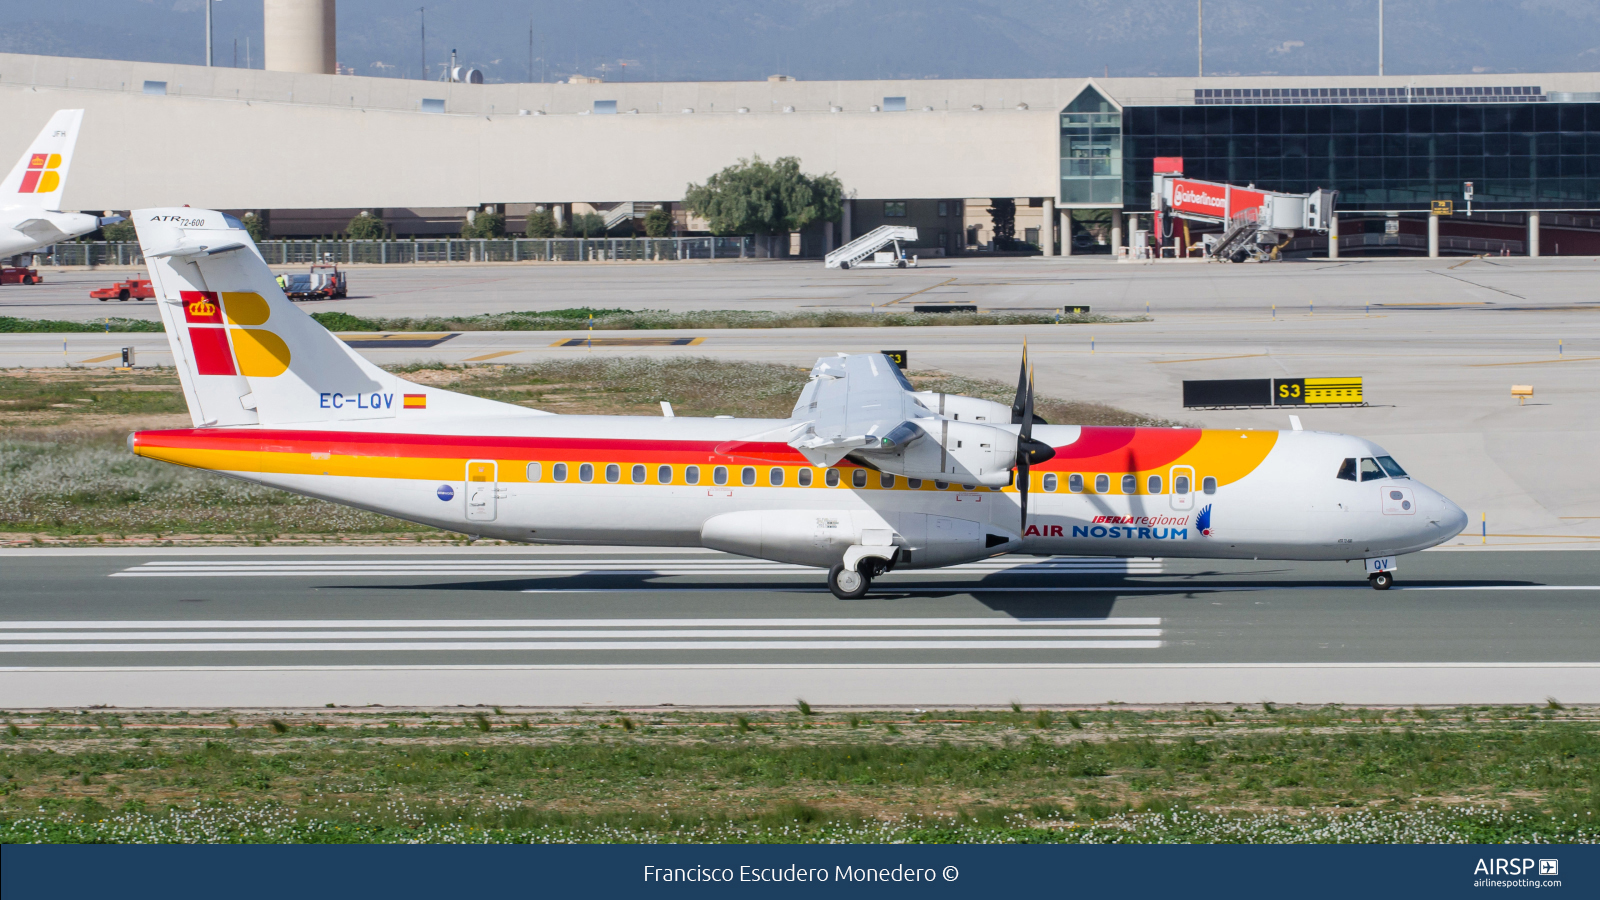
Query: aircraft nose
{"type": "Point", "coordinates": [1452, 518]}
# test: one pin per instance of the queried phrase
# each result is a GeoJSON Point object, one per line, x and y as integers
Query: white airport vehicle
{"type": "Point", "coordinates": [30, 197]}
{"type": "Point", "coordinates": [866, 252]}
{"type": "Point", "coordinates": [867, 474]}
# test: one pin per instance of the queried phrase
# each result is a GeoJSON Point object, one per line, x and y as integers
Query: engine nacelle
{"type": "Point", "coordinates": [965, 409]}
{"type": "Point", "coordinates": [820, 537]}
{"type": "Point", "coordinates": [943, 450]}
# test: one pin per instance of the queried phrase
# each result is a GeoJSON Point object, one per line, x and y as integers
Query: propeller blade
{"type": "Point", "coordinates": [1022, 387]}
{"type": "Point", "coordinates": [1027, 410]}
{"type": "Point", "coordinates": [1023, 481]}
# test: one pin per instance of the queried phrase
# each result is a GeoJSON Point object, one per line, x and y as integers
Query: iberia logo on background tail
{"type": "Point", "coordinates": [247, 355]}
{"type": "Point", "coordinates": [38, 177]}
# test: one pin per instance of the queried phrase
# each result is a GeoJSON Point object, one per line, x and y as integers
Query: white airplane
{"type": "Point", "coordinates": [867, 475]}
{"type": "Point", "coordinates": [30, 197]}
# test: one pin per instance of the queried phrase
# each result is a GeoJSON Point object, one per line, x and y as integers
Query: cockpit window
{"type": "Point", "coordinates": [1347, 469]}
{"type": "Point", "coordinates": [1392, 467]}
{"type": "Point", "coordinates": [1370, 471]}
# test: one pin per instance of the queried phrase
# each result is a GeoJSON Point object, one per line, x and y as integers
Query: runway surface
{"type": "Point", "coordinates": [564, 626]}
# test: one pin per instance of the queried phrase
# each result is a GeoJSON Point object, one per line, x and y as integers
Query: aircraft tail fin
{"type": "Point", "coordinates": [246, 355]}
{"type": "Point", "coordinates": [39, 177]}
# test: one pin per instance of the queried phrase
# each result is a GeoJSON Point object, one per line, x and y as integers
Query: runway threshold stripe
{"type": "Point", "coordinates": [569, 635]}
{"type": "Point", "coordinates": [298, 647]}
{"type": "Point", "coordinates": [989, 621]}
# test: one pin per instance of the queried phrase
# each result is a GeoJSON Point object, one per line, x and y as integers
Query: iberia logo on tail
{"type": "Point", "coordinates": [258, 352]}
{"type": "Point", "coordinates": [41, 177]}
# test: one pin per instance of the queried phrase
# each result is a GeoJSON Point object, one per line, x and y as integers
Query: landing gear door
{"type": "Point", "coordinates": [482, 480]}
{"type": "Point", "coordinates": [1182, 487]}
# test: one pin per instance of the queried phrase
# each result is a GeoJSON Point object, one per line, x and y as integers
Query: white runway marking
{"type": "Point", "coordinates": [280, 647]}
{"type": "Point", "coordinates": [210, 568]}
{"type": "Point", "coordinates": [222, 636]}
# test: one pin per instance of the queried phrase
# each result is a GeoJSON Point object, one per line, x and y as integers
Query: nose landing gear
{"type": "Point", "coordinates": [1381, 581]}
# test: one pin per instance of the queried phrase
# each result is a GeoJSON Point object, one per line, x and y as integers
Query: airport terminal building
{"type": "Point", "coordinates": [1076, 155]}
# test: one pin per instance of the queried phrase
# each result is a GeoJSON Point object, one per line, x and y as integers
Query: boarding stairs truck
{"type": "Point", "coordinates": [1255, 223]}
{"type": "Point", "coordinates": [862, 253]}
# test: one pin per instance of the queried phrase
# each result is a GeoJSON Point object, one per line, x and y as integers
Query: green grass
{"type": "Point", "coordinates": [607, 319]}
{"type": "Point", "coordinates": [13, 325]}
{"type": "Point", "coordinates": [1483, 774]}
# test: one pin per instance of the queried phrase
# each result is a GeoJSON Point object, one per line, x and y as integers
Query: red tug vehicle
{"type": "Point", "coordinates": [122, 291]}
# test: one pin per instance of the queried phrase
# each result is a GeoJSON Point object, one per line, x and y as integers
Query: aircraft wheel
{"type": "Point", "coordinates": [848, 584]}
{"type": "Point", "coordinates": [1381, 581]}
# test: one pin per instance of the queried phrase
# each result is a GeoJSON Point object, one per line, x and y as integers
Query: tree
{"type": "Point", "coordinates": [587, 225]}
{"type": "Point", "coordinates": [1004, 213]}
{"type": "Point", "coordinates": [756, 197]}
{"type": "Point", "coordinates": [366, 227]}
{"type": "Point", "coordinates": [657, 223]}
{"type": "Point", "coordinates": [541, 224]}
{"type": "Point", "coordinates": [255, 226]}
{"type": "Point", "coordinates": [121, 231]}
{"type": "Point", "coordinates": [485, 225]}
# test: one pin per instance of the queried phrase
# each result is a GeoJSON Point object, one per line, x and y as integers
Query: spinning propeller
{"type": "Point", "coordinates": [1029, 451]}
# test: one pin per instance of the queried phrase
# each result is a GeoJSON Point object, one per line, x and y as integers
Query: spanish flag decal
{"type": "Point", "coordinates": [416, 401]}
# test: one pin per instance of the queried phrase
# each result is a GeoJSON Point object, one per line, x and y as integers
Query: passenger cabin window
{"type": "Point", "coordinates": [691, 474]}
{"type": "Point", "coordinates": [586, 473]}
{"type": "Point", "coordinates": [613, 473]}
{"type": "Point", "coordinates": [885, 480]}
{"type": "Point", "coordinates": [1050, 482]}
{"type": "Point", "coordinates": [1102, 484]}
{"type": "Point", "coordinates": [558, 472]}
{"type": "Point", "coordinates": [969, 487]}
{"type": "Point", "coordinates": [1154, 484]}
{"type": "Point", "coordinates": [1208, 485]}
{"type": "Point", "coordinates": [1347, 469]}
{"type": "Point", "coordinates": [1075, 483]}
{"type": "Point", "coordinates": [1392, 467]}
{"type": "Point", "coordinates": [804, 477]}
{"type": "Point", "coordinates": [859, 478]}
{"type": "Point", "coordinates": [1370, 470]}
{"type": "Point", "coordinates": [1130, 484]}
{"type": "Point", "coordinates": [638, 474]}
{"type": "Point", "coordinates": [914, 483]}
{"type": "Point", "coordinates": [664, 474]}
{"type": "Point", "coordinates": [1180, 485]}
{"type": "Point", "coordinates": [775, 477]}
{"type": "Point", "coordinates": [941, 485]}
{"type": "Point", "coordinates": [832, 478]}
{"type": "Point", "coordinates": [719, 475]}
{"type": "Point", "coordinates": [747, 476]}
{"type": "Point", "coordinates": [533, 472]}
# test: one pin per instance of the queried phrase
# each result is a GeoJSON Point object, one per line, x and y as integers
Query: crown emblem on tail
{"type": "Point", "coordinates": [202, 307]}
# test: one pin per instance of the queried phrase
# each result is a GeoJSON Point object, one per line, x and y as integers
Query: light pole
{"type": "Point", "coordinates": [1200, 12]}
{"type": "Point", "coordinates": [1380, 37]}
{"type": "Point", "coordinates": [208, 32]}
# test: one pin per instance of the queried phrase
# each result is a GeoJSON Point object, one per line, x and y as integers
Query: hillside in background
{"type": "Point", "coordinates": [718, 40]}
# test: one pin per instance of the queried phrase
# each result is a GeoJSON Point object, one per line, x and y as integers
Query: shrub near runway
{"type": "Point", "coordinates": [65, 468]}
{"type": "Point", "coordinates": [1091, 776]}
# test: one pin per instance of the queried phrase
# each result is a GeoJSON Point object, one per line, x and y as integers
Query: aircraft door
{"type": "Point", "coordinates": [1183, 487]}
{"type": "Point", "coordinates": [482, 482]}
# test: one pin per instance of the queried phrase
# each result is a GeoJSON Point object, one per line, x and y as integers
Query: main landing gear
{"type": "Point", "coordinates": [848, 584]}
{"type": "Point", "coordinates": [1381, 581]}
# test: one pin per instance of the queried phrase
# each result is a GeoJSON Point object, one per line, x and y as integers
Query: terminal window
{"type": "Point", "coordinates": [1380, 157]}
{"type": "Point", "coordinates": [894, 209]}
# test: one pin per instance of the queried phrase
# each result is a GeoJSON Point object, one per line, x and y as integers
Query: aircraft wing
{"type": "Point", "coordinates": [852, 402]}
{"type": "Point", "coordinates": [42, 230]}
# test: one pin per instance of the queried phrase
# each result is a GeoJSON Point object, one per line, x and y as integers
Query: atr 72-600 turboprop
{"type": "Point", "coordinates": [30, 197]}
{"type": "Point", "coordinates": [867, 475]}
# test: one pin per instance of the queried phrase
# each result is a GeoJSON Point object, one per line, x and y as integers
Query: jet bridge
{"type": "Point", "coordinates": [855, 254]}
{"type": "Point", "coordinates": [1254, 222]}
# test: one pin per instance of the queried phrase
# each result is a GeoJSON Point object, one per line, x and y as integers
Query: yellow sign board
{"type": "Point", "coordinates": [1444, 207]}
